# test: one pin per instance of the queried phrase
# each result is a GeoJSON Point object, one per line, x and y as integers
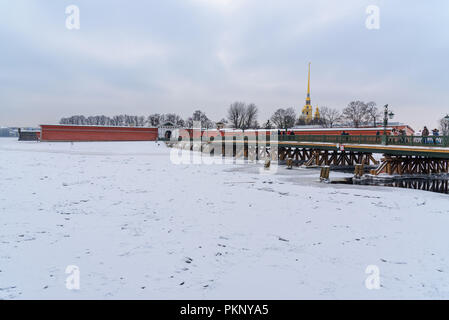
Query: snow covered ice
{"type": "Point", "coordinates": [140, 227]}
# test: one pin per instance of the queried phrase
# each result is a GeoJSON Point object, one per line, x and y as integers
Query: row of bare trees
{"type": "Point", "coordinates": [359, 113]}
{"type": "Point", "coordinates": [102, 120]}
{"type": "Point", "coordinates": [124, 120]}
{"type": "Point", "coordinates": [244, 116]}
{"type": "Point", "coordinates": [356, 114]}
{"type": "Point", "coordinates": [240, 116]}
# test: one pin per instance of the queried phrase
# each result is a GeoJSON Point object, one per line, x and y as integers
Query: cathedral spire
{"type": "Point", "coordinates": [308, 85]}
{"type": "Point", "coordinates": [307, 110]}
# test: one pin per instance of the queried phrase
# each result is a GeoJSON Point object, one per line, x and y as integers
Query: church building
{"type": "Point", "coordinates": [307, 110]}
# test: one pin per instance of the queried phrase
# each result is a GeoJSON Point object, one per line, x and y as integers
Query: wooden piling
{"type": "Point", "coordinates": [359, 170]}
{"type": "Point", "coordinates": [324, 174]}
{"type": "Point", "coordinates": [267, 163]}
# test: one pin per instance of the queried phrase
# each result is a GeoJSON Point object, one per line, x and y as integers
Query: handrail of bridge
{"type": "Point", "coordinates": [429, 141]}
{"type": "Point", "coordinates": [440, 141]}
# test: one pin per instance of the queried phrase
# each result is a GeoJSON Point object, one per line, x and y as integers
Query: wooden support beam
{"type": "Point", "coordinates": [410, 165]}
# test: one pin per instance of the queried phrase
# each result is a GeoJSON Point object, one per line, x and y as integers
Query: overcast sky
{"type": "Point", "coordinates": [142, 57]}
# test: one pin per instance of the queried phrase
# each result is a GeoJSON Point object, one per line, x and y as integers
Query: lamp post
{"type": "Point", "coordinates": [387, 115]}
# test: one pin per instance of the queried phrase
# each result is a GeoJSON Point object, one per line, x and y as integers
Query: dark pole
{"type": "Point", "coordinates": [384, 138]}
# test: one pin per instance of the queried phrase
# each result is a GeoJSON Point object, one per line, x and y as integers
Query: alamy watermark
{"type": "Point", "coordinates": [72, 21]}
{"type": "Point", "coordinates": [372, 282]}
{"type": "Point", "coordinates": [72, 282]}
{"type": "Point", "coordinates": [217, 147]}
{"type": "Point", "coordinates": [372, 21]}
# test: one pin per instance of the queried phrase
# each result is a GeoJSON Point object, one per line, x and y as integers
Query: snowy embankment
{"type": "Point", "coordinates": [138, 226]}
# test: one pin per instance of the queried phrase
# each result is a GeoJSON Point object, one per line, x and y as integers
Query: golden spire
{"type": "Point", "coordinates": [307, 110]}
{"type": "Point", "coordinates": [308, 83]}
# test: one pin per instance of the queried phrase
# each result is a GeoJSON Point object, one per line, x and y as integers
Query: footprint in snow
{"type": "Point", "coordinates": [393, 262]}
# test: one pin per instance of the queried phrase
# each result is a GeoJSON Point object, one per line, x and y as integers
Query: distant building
{"type": "Point", "coordinates": [409, 131]}
{"type": "Point", "coordinates": [4, 132]}
{"type": "Point", "coordinates": [8, 132]}
{"type": "Point", "coordinates": [29, 134]}
{"type": "Point", "coordinates": [168, 130]}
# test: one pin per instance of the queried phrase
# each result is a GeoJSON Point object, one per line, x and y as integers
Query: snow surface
{"type": "Point", "coordinates": [140, 227]}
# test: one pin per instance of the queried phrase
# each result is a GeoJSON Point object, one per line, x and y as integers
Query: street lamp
{"type": "Point", "coordinates": [387, 115]}
{"type": "Point", "coordinates": [391, 115]}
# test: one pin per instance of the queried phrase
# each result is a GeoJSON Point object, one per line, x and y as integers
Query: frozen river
{"type": "Point", "coordinates": [137, 225]}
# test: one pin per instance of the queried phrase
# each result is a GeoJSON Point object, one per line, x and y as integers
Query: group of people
{"type": "Point", "coordinates": [429, 138]}
{"type": "Point", "coordinates": [285, 133]}
{"type": "Point", "coordinates": [425, 132]}
{"type": "Point", "coordinates": [396, 132]}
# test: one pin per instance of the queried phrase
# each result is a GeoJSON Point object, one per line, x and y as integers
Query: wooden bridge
{"type": "Point", "coordinates": [401, 154]}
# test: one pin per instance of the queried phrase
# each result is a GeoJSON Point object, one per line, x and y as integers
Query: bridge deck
{"type": "Point", "coordinates": [428, 147]}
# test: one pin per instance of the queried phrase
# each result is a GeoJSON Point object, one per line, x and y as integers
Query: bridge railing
{"type": "Point", "coordinates": [437, 141]}
{"type": "Point", "coordinates": [359, 139]}
{"type": "Point", "coordinates": [429, 141]}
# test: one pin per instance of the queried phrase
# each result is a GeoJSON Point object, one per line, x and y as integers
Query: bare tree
{"type": "Point", "coordinates": [199, 115]}
{"type": "Point", "coordinates": [242, 116]}
{"type": "Point", "coordinates": [154, 120]}
{"type": "Point", "coordinates": [173, 118]}
{"type": "Point", "coordinates": [236, 113]}
{"type": "Point", "coordinates": [329, 117]}
{"type": "Point", "coordinates": [118, 120]}
{"type": "Point", "coordinates": [372, 112]}
{"type": "Point", "coordinates": [444, 126]}
{"type": "Point", "coordinates": [250, 118]}
{"type": "Point", "coordinates": [278, 118]}
{"type": "Point", "coordinates": [284, 118]}
{"type": "Point", "coordinates": [356, 113]}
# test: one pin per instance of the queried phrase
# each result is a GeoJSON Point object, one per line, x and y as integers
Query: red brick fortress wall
{"type": "Point", "coordinates": [97, 133]}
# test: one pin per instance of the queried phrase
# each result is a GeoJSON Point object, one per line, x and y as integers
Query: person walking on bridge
{"type": "Point", "coordinates": [403, 135]}
{"type": "Point", "coordinates": [425, 134]}
{"type": "Point", "coordinates": [435, 134]}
